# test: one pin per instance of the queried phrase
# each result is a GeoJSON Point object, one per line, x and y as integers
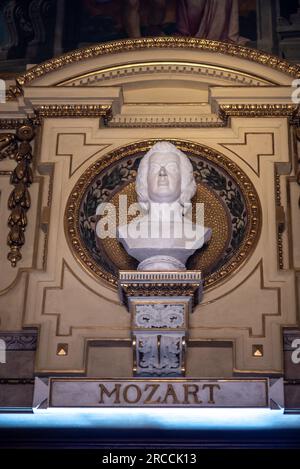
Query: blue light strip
{"type": "Point", "coordinates": [154, 418]}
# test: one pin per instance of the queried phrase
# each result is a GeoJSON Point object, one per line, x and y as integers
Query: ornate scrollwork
{"type": "Point", "coordinates": [17, 146]}
{"type": "Point", "coordinates": [19, 340]}
{"type": "Point", "coordinates": [158, 354]}
{"type": "Point", "coordinates": [159, 315]}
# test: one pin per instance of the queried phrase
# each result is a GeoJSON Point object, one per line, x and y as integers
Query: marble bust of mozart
{"type": "Point", "coordinates": [164, 236]}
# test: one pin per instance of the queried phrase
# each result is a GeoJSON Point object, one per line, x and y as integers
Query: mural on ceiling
{"type": "Point", "coordinates": [34, 30]}
{"type": "Point", "coordinates": [135, 18]}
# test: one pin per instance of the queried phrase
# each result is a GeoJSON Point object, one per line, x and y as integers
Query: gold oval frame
{"type": "Point", "coordinates": [71, 217]}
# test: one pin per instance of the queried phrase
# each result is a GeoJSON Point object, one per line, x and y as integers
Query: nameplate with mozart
{"type": "Point", "coordinates": [70, 392]}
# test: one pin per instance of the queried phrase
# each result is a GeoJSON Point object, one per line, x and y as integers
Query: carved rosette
{"type": "Point", "coordinates": [17, 146]}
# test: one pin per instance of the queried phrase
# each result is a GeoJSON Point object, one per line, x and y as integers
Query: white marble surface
{"type": "Point", "coordinates": [164, 238]}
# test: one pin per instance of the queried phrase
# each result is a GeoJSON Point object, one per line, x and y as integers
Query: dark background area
{"type": "Point", "coordinates": [32, 31]}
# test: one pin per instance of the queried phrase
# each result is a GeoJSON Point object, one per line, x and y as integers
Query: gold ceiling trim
{"type": "Point", "coordinates": [75, 110]}
{"type": "Point", "coordinates": [71, 217]}
{"type": "Point", "coordinates": [131, 45]}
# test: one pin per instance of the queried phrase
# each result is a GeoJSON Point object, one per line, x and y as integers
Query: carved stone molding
{"type": "Point", "coordinates": [167, 122]}
{"type": "Point", "coordinates": [257, 110]}
{"type": "Point", "coordinates": [159, 354]}
{"type": "Point", "coordinates": [19, 340]}
{"type": "Point", "coordinates": [80, 110]}
{"type": "Point", "coordinates": [201, 70]}
{"type": "Point", "coordinates": [159, 315]}
{"type": "Point", "coordinates": [136, 284]}
{"type": "Point", "coordinates": [225, 111]}
{"type": "Point", "coordinates": [17, 381]}
{"type": "Point", "coordinates": [13, 124]}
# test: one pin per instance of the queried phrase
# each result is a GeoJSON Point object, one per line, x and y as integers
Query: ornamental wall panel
{"type": "Point", "coordinates": [231, 112]}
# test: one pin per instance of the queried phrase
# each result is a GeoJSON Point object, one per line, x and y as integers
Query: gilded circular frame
{"type": "Point", "coordinates": [253, 207]}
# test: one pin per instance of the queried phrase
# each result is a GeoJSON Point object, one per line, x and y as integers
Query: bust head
{"type": "Point", "coordinates": [165, 175]}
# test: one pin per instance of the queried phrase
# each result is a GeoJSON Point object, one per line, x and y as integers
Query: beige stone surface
{"type": "Point", "coordinates": [209, 359]}
{"type": "Point", "coordinates": [110, 361]}
{"type": "Point", "coordinates": [19, 364]}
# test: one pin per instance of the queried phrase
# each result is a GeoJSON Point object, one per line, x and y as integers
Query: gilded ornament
{"type": "Point", "coordinates": [125, 45]}
{"type": "Point", "coordinates": [75, 110]}
{"type": "Point", "coordinates": [13, 92]}
{"type": "Point", "coordinates": [256, 110]}
{"type": "Point", "coordinates": [17, 217]}
{"type": "Point", "coordinates": [8, 145]}
{"type": "Point", "coordinates": [25, 132]}
{"type": "Point", "coordinates": [17, 146]}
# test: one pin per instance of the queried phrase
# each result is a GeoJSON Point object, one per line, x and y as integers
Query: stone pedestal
{"type": "Point", "coordinates": [159, 304]}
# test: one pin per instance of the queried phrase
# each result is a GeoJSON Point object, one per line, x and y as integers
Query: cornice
{"type": "Point", "coordinates": [132, 45]}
